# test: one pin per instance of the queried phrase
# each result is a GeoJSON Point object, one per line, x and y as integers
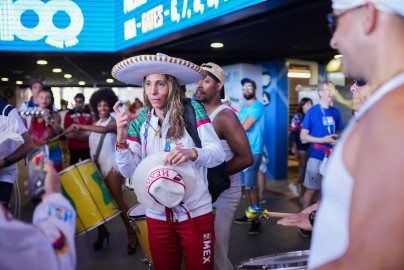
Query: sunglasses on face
{"type": "Point", "coordinates": [247, 88]}
{"type": "Point", "coordinates": [332, 19]}
{"type": "Point", "coordinates": [332, 22]}
{"type": "Point", "coordinates": [360, 82]}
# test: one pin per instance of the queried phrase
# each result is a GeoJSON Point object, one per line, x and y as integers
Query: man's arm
{"type": "Point", "coordinates": [228, 126]}
{"type": "Point", "coordinates": [248, 123]}
{"type": "Point", "coordinates": [376, 215]}
{"type": "Point", "coordinates": [21, 151]}
{"type": "Point", "coordinates": [305, 137]}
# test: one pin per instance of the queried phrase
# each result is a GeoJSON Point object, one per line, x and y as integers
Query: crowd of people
{"type": "Point", "coordinates": [152, 144]}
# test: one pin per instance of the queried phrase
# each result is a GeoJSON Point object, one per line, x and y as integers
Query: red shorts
{"type": "Point", "coordinates": [194, 238]}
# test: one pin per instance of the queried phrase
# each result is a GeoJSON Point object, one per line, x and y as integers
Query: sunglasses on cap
{"type": "Point", "coordinates": [360, 82]}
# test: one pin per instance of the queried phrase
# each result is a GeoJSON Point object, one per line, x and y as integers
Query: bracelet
{"type": "Point", "coordinates": [312, 217]}
{"type": "Point", "coordinates": [120, 147]}
{"type": "Point", "coordinates": [196, 153]}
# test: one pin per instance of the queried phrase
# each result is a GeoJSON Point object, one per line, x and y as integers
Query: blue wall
{"type": "Point", "coordinates": [276, 129]}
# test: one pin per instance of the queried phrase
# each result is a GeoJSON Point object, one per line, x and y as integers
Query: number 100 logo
{"type": "Point", "coordinates": [12, 14]}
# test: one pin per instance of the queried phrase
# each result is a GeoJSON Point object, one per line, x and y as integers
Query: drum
{"type": "Point", "coordinates": [295, 260]}
{"type": "Point", "coordinates": [99, 191]}
{"type": "Point", "coordinates": [137, 214]}
{"type": "Point", "coordinates": [83, 187]}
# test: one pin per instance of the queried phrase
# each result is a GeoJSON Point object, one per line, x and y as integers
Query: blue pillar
{"type": "Point", "coordinates": [276, 114]}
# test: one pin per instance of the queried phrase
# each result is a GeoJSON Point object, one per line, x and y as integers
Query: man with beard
{"type": "Point", "coordinates": [252, 118]}
{"type": "Point", "coordinates": [321, 126]}
{"type": "Point", "coordinates": [238, 155]}
{"type": "Point", "coordinates": [359, 221]}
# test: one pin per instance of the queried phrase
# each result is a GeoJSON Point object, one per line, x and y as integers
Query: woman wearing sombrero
{"type": "Point", "coordinates": [169, 171]}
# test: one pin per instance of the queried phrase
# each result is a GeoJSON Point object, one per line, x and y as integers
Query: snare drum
{"type": "Point", "coordinates": [295, 260]}
{"type": "Point", "coordinates": [137, 214]}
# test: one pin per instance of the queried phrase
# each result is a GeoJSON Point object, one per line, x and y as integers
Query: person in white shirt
{"type": "Point", "coordinates": [47, 243]}
{"type": "Point", "coordinates": [186, 227]}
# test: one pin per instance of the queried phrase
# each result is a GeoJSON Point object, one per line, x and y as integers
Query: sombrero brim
{"type": "Point", "coordinates": [156, 161]}
{"type": "Point", "coordinates": [133, 70]}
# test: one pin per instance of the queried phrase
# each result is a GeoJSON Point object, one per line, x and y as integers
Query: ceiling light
{"type": "Point", "coordinates": [216, 45]}
{"type": "Point", "coordinates": [299, 73]}
{"type": "Point", "coordinates": [109, 80]}
{"type": "Point", "coordinates": [4, 79]}
{"type": "Point", "coordinates": [338, 56]}
{"type": "Point", "coordinates": [42, 62]}
{"type": "Point", "coordinates": [82, 83]}
{"type": "Point", "coordinates": [68, 76]}
{"type": "Point", "coordinates": [56, 70]}
{"type": "Point", "coordinates": [18, 82]}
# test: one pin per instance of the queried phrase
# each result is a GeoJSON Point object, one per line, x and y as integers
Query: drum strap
{"type": "Point", "coordinates": [97, 153]}
{"type": "Point", "coordinates": [99, 146]}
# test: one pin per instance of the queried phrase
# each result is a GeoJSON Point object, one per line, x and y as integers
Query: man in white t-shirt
{"type": "Point", "coordinates": [13, 131]}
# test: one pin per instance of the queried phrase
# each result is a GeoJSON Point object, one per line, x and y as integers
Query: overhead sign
{"type": "Point", "coordinates": [143, 21]}
{"type": "Point", "coordinates": [102, 25]}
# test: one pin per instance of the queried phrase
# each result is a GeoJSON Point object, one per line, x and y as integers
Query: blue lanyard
{"type": "Point", "coordinates": [167, 147]}
{"type": "Point", "coordinates": [326, 120]}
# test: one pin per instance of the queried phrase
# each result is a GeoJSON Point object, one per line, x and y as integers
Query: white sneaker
{"type": "Point", "coordinates": [294, 189]}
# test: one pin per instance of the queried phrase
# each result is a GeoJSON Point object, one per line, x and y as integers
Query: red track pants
{"type": "Point", "coordinates": [194, 238]}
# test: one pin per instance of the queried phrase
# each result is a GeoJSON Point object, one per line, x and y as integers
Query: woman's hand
{"type": "Point", "coordinates": [178, 156]}
{"type": "Point", "coordinates": [73, 128]}
{"type": "Point", "coordinates": [123, 119]}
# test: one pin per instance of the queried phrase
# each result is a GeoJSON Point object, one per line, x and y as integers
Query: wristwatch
{"type": "Point", "coordinates": [312, 217]}
{"type": "Point", "coordinates": [7, 162]}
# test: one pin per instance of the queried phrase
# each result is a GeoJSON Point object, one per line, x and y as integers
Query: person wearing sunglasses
{"type": "Point", "coordinates": [79, 148]}
{"type": "Point", "coordinates": [359, 221]}
{"type": "Point", "coordinates": [252, 118]}
{"type": "Point", "coordinates": [358, 97]}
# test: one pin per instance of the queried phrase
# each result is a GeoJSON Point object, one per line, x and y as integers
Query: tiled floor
{"type": "Point", "coordinates": [273, 239]}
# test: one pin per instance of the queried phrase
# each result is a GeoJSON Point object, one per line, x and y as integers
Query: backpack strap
{"type": "Point", "coordinates": [190, 122]}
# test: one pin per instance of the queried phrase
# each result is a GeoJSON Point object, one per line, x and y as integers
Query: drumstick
{"type": "Point", "coordinates": [279, 214]}
{"type": "Point", "coordinates": [58, 136]}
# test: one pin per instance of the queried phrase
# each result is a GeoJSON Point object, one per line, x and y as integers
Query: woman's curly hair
{"type": "Point", "coordinates": [174, 106]}
{"type": "Point", "coordinates": [103, 94]}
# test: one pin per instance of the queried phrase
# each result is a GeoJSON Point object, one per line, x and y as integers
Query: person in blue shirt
{"type": "Point", "coordinates": [252, 118]}
{"type": "Point", "coordinates": [321, 127]}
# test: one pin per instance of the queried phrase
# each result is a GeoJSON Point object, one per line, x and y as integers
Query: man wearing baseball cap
{"type": "Point", "coordinates": [238, 155]}
{"type": "Point", "coordinates": [252, 118]}
{"type": "Point", "coordinates": [359, 222]}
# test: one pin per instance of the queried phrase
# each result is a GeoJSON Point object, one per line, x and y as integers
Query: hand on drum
{"type": "Point", "coordinates": [178, 156]}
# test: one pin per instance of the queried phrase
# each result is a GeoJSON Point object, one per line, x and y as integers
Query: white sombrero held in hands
{"type": "Point", "coordinates": [158, 186]}
{"type": "Point", "coordinates": [133, 70]}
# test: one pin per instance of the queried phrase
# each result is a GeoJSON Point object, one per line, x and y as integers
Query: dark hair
{"type": "Point", "coordinates": [103, 94]}
{"type": "Point", "coordinates": [302, 102]}
{"type": "Point", "coordinates": [36, 81]}
{"type": "Point", "coordinates": [47, 88]}
{"type": "Point", "coordinates": [80, 95]}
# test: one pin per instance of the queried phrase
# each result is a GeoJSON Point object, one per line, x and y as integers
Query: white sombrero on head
{"type": "Point", "coordinates": [134, 69]}
{"type": "Point", "coordinates": [158, 186]}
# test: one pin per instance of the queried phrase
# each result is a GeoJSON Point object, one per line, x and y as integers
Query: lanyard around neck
{"type": "Point", "coordinates": [167, 147]}
{"type": "Point", "coordinates": [326, 120]}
